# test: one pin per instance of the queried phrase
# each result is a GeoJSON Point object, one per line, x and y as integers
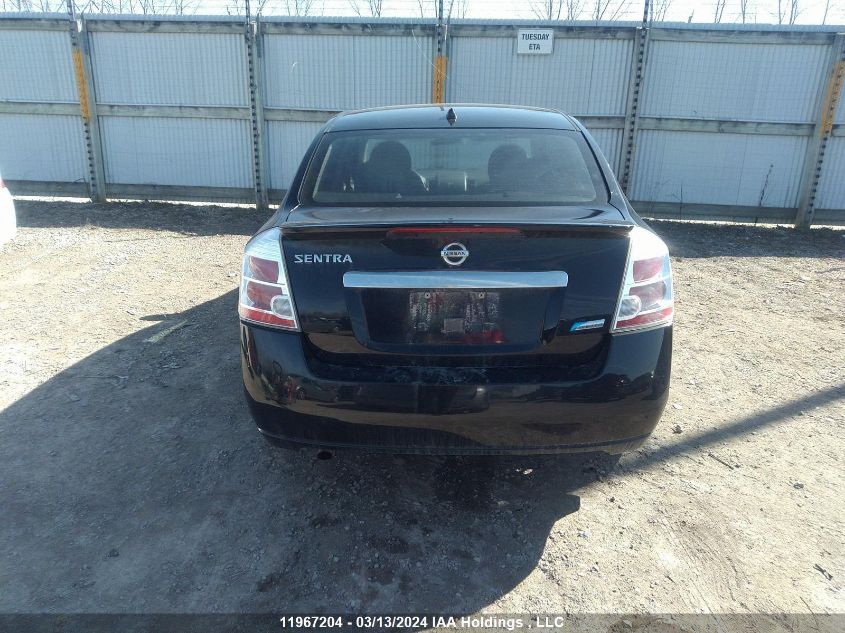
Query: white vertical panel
{"type": "Point", "coordinates": [170, 68]}
{"type": "Point", "coordinates": [336, 72]}
{"type": "Point", "coordinates": [36, 66]}
{"type": "Point", "coordinates": [189, 152]}
{"type": "Point", "coordinates": [582, 76]}
{"type": "Point", "coordinates": [831, 192]}
{"type": "Point", "coordinates": [286, 145]}
{"type": "Point", "coordinates": [724, 169]}
{"type": "Point", "coordinates": [765, 82]}
{"type": "Point", "coordinates": [610, 142]}
{"type": "Point", "coordinates": [42, 147]}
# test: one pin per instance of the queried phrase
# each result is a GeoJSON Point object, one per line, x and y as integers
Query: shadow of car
{"type": "Point", "coordinates": [134, 482]}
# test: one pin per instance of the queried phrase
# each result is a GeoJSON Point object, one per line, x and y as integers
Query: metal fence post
{"type": "Point", "coordinates": [255, 57]}
{"type": "Point", "coordinates": [81, 51]}
{"type": "Point", "coordinates": [814, 160]}
{"type": "Point", "coordinates": [261, 128]}
{"type": "Point", "coordinates": [632, 107]}
{"type": "Point", "coordinates": [438, 79]}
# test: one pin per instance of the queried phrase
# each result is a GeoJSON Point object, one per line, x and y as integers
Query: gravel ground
{"type": "Point", "coordinates": [133, 479]}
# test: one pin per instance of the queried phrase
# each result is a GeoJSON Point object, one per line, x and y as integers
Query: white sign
{"type": "Point", "coordinates": [535, 41]}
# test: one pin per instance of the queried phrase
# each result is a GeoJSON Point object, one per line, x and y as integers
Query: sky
{"type": "Point", "coordinates": [758, 11]}
{"type": "Point", "coordinates": [698, 11]}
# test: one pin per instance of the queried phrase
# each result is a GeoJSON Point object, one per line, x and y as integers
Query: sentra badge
{"type": "Point", "coordinates": [322, 258]}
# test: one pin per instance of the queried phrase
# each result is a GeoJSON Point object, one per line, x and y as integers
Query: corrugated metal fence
{"type": "Point", "coordinates": [717, 123]}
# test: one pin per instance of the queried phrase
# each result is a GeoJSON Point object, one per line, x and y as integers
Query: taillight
{"type": "Point", "coordinates": [646, 299]}
{"type": "Point", "coordinates": [265, 296]}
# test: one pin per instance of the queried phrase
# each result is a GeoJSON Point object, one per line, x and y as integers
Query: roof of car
{"type": "Point", "coordinates": [434, 116]}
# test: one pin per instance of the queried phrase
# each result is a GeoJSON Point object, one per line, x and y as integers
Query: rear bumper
{"type": "Point", "coordinates": [612, 412]}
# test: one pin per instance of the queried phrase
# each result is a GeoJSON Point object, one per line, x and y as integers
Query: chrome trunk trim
{"type": "Point", "coordinates": [455, 279]}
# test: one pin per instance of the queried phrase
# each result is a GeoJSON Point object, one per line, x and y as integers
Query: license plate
{"type": "Point", "coordinates": [464, 316]}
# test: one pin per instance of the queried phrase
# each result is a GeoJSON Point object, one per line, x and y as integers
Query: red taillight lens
{"type": "Point", "coordinates": [647, 268]}
{"type": "Point", "coordinates": [650, 295]}
{"type": "Point", "coordinates": [265, 292]}
{"type": "Point", "coordinates": [647, 299]}
{"type": "Point", "coordinates": [260, 294]}
{"type": "Point", "coordinates": [263, 269]}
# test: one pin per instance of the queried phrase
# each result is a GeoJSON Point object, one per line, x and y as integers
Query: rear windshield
{"type": "Point", "coordinates": [469, 167]}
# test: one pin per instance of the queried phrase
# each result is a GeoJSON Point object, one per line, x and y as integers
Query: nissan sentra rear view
{"type": "Point", "coordinates": [456, 280]}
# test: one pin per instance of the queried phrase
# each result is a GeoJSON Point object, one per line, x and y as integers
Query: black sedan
{"type": "Point", "coordinates": [456, 280]}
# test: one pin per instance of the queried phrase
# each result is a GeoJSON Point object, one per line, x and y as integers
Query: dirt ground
{"type": "Point", "coordinates": [133, 479]}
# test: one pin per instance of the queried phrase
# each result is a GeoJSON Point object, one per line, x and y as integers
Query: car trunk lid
{"type": "Point", "coordinates": [468, 286]}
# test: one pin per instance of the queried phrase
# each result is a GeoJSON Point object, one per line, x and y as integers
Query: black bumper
{"type": "Point", "coordinates": [614, 411]}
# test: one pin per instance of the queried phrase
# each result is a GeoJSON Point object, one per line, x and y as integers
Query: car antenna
{"type": "Point", "coordinates": [451, 117]}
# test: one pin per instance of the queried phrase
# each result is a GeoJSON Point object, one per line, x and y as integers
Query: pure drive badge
{"type": "Point", "coordinates": [322, 258]}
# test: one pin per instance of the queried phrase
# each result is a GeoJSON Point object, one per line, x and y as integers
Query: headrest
{"type": "Point", "coordinates": [391, 153]}
{"type": "Point", "coordinates": [505, 156]}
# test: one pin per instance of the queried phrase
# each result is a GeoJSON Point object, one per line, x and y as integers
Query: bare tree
{"type": "Point", "coordinates": [298, 7]}
{"type": "Point", "coordinates": [659, 9]}
{"type": "Point", "coordinates": [548, 9]}
{"type": "Point", "coordinates": [553, 9]}
{"type": "Point", "coordinates": [719, 11]}
{"type": "Point", "coordinates": [185, 7]}
{"type": "Point", "coordinates": [144, 7]}
{"type": "Point", "coordinates": [427, 8]}
{"type": "Point", "coordinates": [367, 7]}
{"type": "Point", "coordinates": [794, 10]}
{"type": "Point", "coordinates": [743, 11]}
{"type": "Point", "coordinates": [161, 7]}
{"type": "Point", "coordinates": [574, 8]}
{"type": "Point", "coordinates": [451, 8]}
{"type": "Point", "coordinates": [602, 9]}
{"type": "Point", "coordinates": [457, 8]}
{"type": "Point", "coordinates": [48, 6]}
{"type": "Point", "coordinates": [40, 6]}
{"type": "Point", "coordinates": [788, 11]}
{"type": "Point", "coordinates": [826, 11]}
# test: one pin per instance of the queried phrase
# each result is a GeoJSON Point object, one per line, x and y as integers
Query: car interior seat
{"type": "Point", "coordinates": [388, 170]}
